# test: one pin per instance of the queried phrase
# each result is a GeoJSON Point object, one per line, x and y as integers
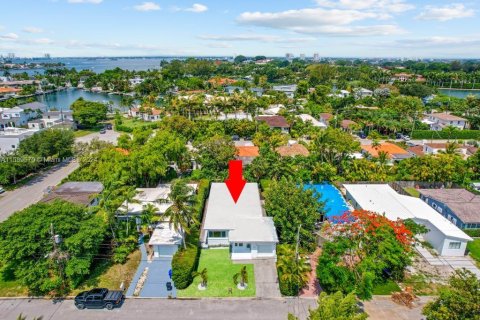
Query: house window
{"type": "Point", "coordinates": [434, 205]}
{"type": "Point", "coordinates": [249, 246]}
{"type": "Point", "coordinates": [240, 244]}
{"type": "Point", "coordinates": [454, 245]}
{"type": "Point", "coordinates": [217, 234]}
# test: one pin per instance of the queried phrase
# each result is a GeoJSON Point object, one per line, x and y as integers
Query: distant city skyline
{"type": "Point", "coordinates": [331, 28]}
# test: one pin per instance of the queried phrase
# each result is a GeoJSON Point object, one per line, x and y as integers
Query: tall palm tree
{"type": "Point", "coordinates": [128, 195]}
{"type": "Point", "coordinates": [181, 214]}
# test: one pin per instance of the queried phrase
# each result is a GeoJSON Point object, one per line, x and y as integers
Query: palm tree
{"type": "Point", "coordinates": [242, 276]}
{"type": "Point", "coordinates": [128, 195]}
{"type": "Point", "coordinates": [204, 275]}
{"type": "Point", "coordinates": [148, 213]}
{"type": "Point", "coordinates": [181, 214]}
{"type": "Point", "coordinates": [450, 148]}
{"type": "Point", "coordinates": [292, 268]}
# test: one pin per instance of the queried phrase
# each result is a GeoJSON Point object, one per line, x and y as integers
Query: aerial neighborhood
{"type": "Point", "coordinates": [355, 180]}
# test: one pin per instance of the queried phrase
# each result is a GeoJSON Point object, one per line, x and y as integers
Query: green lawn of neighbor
{"type": "Point", "coordinates": [220, 276]}
{"type": "Point", "coordinates": [413, 192]}
{"type": "Point", "coordinates": [12, 289]}
{"type": "Point", "coordinates": [474, 248]}
{"type": "Point", "coordinates": [386, 288]}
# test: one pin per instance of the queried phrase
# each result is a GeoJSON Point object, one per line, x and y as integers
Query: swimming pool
{"type": "Point", "coordinates": [335, 205]}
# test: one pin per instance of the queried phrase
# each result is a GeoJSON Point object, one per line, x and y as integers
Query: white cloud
{"type": "Point", "coordinates": [321, 21]}
{"type": "Point", "coordinates": [85, 1]}
{"type": "Point", "coordinates": [387, 6]}
{"type": "Point", "coordinates": [43, 41]}
{"type": "Point", "coordinates": [32, 30]}
{"type": "Point", "coordinates": [197, 8]}
{"type": "Point", "coordinates": [439, 41]}
{"type": "Point", "coordinates": [445, 13]}
{"type": "Point", "coordinates": [220, 45]}
{"type": "Point", "coordinates": [147, 6]}
{"type": "Point", "coordinates": [254, 37]}
{"type": "Point", "coordinates": [9, 36]}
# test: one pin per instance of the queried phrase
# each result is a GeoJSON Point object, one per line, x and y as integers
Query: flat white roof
{"type": "Point", "coordinates": [382, 199]}
{"type": "Point", "coordinates": [244, 220]}
{"type": "Point", "coordinates": [164, 234]}
{"type": "Point", "coordinates": [315, 122]}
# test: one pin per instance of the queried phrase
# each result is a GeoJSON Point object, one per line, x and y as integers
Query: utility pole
{"type": "Point", "coordinates": [57, 255]}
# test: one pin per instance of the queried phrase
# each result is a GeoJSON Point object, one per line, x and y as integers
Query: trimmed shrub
{"type": "Point", "coordinates": [474, 233]}
{"type": "Point", "coordinates": [184, 263]}
{"type": "Point", "coordinates": [460, 134]}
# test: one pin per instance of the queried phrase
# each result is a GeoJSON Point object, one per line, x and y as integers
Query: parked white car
{"type": "Point", "coordinates": [2, 190]}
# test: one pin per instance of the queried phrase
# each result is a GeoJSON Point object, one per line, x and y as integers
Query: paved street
{"type": "Point", "coordinates": [210, 309]}
{"type": "Point", "coordinates": [383, 308]}
{"type": "Point", "coordinates": [33, 191]}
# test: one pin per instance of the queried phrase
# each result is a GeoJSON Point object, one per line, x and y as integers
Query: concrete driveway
{"type": "Point", "coordinates": [109, 136]}
{"type": "Point", "coordinates": [382, 307]}
{"type": "Point", "coordinates": [266, 279]}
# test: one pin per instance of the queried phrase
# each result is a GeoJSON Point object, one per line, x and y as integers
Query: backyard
{"type": "Point", "coordinates": [474, 248]}
{"type": "Point", "coordinates": [220, 276]}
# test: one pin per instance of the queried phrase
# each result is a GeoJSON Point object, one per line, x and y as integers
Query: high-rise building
{"type": "Point", "coordinates": [47, 56]}
{"type": "Point", "coordinates": [302, 56]}
{"type": "Point", "coordinates": [289, 56]}
{"type": "Point", "coordinates": [316, 57]}
{"type": "Point", "coordinates": [11, 55]}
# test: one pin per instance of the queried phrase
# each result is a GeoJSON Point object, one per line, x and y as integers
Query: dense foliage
{"type": "Point", "coordinates": [27, 252]}
{"type": "Point", "coordinates": [88, 113]}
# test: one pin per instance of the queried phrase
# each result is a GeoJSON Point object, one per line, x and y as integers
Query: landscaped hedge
{"type": "Point", "coordinates": [472, 232]}
{"type": "Point", "coordinates": [185, 261]}
{"type": "Point", "coordinates": [127, 129]}
{"type": "Point", "coordinates": [460, 134]}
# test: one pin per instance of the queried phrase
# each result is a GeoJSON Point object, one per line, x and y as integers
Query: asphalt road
{"type": "Point", "coordinates": [33, 191]}
{"type": "Point", "coordinates": [158, 309]}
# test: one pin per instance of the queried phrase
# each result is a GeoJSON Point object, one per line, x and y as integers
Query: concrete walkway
{"type": "Point", "coordinates": [455, 263]}
{"type": "Point", "coordinates": [312, 289]}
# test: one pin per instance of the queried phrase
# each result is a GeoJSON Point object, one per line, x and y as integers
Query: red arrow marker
{"type": "Point", "coordinates": [235, 182]}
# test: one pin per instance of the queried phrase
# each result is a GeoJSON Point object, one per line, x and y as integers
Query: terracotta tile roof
{"type": "Point", "coordinates": [326, 116]}
{"type": "Point", "coordinates": [9, 90]}
{"type": "Point", "coordinates": [274, 121]}
{"type": "Point", "coordinates": [447, 117]}
{"type": "Point", "coordinates": [221, 81]}
{"type": "Point", "coordinates": [417, 150]}
{"type": "Point", "coordinates": [390, 148]}
{"type": "Point", "coordinates": [293, 150]}
{"type": "Point", "coordinates": [247, 151]}
{"type": "Point", "coordinates": [463, 203]}
{"type": "Point", "coordinates": [347, 123]}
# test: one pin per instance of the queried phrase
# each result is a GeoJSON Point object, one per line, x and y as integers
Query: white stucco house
{"type": "Point", "coordinates": [10, 138]}
{"type": "Point", "coordinates": [241, 226]}
{"type": "Point", "coordinates": [446, 238]}
{"type": "Point", "coordinates": [165, 240]}
{"type": "Point", "coordinates": [439, 121]}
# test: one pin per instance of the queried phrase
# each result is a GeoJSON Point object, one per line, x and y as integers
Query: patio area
{"type": "Point", "coordinates": [220, 271]}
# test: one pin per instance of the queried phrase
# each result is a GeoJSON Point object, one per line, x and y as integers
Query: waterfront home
{"type": "Point", "coordinates": [361, 93]}
{"type": "Point", "coordinates": [242, 226]}
{"type": "Point", "coordinates": [312, 120]}
{"type": "Point", "coordinates": [459, 206]}
{"type": "Point", "coordinates": [33, 106]}
{"type": "Point", "coordinates": [14, 117]}
{"type": "Point", "coordinates": [165, 240]}
{"type": "Point", "coordinates": [83, 193]}
{"type": "Point", "coordinates": [135, 81]}
{"type": "Point", "coordinates": [392, 151]}
{"type": "Point", "coordinates": [10, 138]}
{"type": "Point", "coordinates": [275, 122]}
{"type": "Point", "coordinates": [7, 92]}
{"type": "Point", "coordinates": [145, 114]}
{"type": "Point", "coordinates": [445, 237]}
{"type": "Point", "coordinates": [439, 121]}
{"type": "Point", "coordinates": [289, 90]}
{"type": "Point", "coordinates": [247, 154]}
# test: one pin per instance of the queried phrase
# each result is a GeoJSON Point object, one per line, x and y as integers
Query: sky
{"type": "Point", "coordinates": [331, 28]}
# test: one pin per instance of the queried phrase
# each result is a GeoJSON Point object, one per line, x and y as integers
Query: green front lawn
{"type": "Point", "coordinates": [220, 276]}
{"type": "Point", "coordinates": [386, 288]}
{"type": "Point", "coordinates": [12, 289]}
{"type": "Point", "coordinates": [474, 248]}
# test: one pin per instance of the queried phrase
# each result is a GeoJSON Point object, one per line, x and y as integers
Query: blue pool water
{"type": "Point", "coordinates": [335, 205]}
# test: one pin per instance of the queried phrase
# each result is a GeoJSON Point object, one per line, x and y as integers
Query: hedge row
{"type": "Point", "coordinates": [460, 134]}
{"type": "Point", "coordinates": [127, 129]}
{"type": "Point", "coordinates": [185, 261]}
{"type": "Point", "coordinates": [475, 233]}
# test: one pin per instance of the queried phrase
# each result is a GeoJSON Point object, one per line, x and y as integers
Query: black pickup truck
{"type": "Point", "coordinates": [99, 298]}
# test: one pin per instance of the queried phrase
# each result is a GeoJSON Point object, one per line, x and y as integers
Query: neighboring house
{"type": "Point", "coordinates": [439, 121]}
{"type": "Point", "coordinates": [247, 154]}
{"type": "Point", "coordinates": [83, 193]}
{"type": "Point", "coordinates": [34, 106]}
{"type": "Point", "coordinates": [217, 81]}
{"type": "Point", "coordinates": [56, 118]}
{"type": "Point", "coordinates": [361, 93]}
{"type": "Point", "coordinates": [402, 77]}
{"type": "Point", "coordinates": [416, 151]}
{"type": "Point", "coordinates": [13, 117]}
{"type": "Point", "coordinates": [459, 206]}
{"type": "Point", "coordinates": [394, 152]}
{"type": "Point", "coordinates": [257, 91]}
{"type": "Point", "coordinates": [241, 226]}
{"type": "Point", "coordinates": [340, 94]}
{"type": "Point", "coordinates": [275, 122]}
{"type": "Point", "coordinates": [36, 124]}
{"type": "Point", "coordinates": [135, 81]}
{"type": "Point", "coordinates": [7, 92]}
{"type": "Point", "coordinates": [312, 120]}
{"type": "Point", "coordinates": [233, 89]}
{"type": "Point", "coordinates": [293, 150]}
{"type": "Point", "coordinates": [145, 114]}
{"type": "Point", "coordinates": [10, 138]}
{"type": "Point", "coordinates": [325, 118]}
{"type": "Point", "coordinates": [348, 125]}
{"type": "Point", "coordinates": [273, 109]}
{"type": "Point", "coordinates": [446, 239]}
{"type": "Point", "coordinates": [289, 90]}
{"type": "Point", "coordinates": [165, 240]}
{"type": "Point", "coordinates": [436, 148]}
